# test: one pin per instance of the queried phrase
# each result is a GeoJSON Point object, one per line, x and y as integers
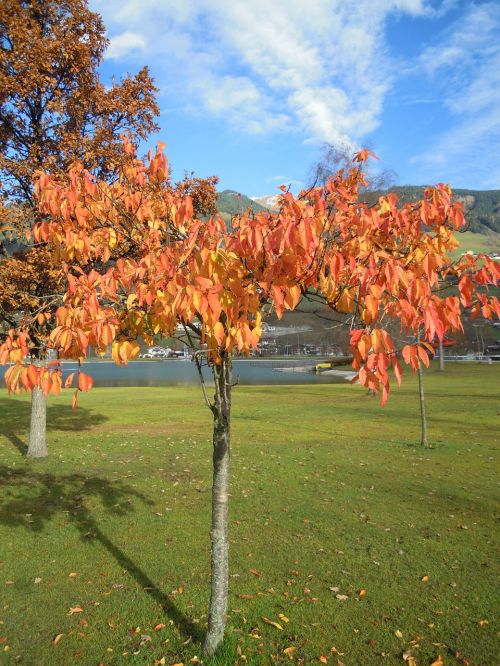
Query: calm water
{"type": "Point", "coordinates": [183, 373]}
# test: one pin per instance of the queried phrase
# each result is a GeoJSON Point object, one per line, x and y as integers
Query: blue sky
{"type": "Point", "coordinates": [250, 89]}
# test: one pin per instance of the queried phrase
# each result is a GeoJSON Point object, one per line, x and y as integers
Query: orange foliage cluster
{"type": "Point", "coordinates": [377, 263]}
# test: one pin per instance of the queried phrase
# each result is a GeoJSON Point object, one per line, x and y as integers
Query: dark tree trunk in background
{"type": "Point", "coordinates": [220, 497]}
{"type": "Point", "coordinates": [37, 447]}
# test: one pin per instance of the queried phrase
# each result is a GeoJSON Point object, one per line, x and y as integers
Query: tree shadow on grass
{"type": "Point", "coordinates": [15, 420]}
{"type": "Point", "coordinates": [32, 499]}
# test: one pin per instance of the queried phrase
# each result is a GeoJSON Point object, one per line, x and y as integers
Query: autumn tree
{"type": "Point", "coordinates": [53, 109]}
{"type": "Point", "coordinates": [379, 263]}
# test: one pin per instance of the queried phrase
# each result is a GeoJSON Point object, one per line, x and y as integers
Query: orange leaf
{"type": "Point", "coordinates": [438, 662]}
{"type": "Point", "coordinates": [56, 639]}
{"type": "Point", "coordinates": [69, 380]}
{"type": "Point", "coordinates": [75, 609]}
{"type": "Point", "coordinates": [85, 382]}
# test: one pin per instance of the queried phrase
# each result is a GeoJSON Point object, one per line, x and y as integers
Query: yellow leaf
{"type": "Point", "coordinates": [57, 639]}
{"type": "Point", "coordinates": [483, 622]}
{"type": "Point", "coordinates": [424, 579]}
{"type": "Point", "coordinates": [283, 618]}
{"type": "Point", "coordinates": [271, 623]}
{"type": "Point", "coordinates": [289, 650]}
{"type": "Point", "coordinates": [219, 332]}
{"type": "Point", "coordinates": [398, 633]}
{"type": "Point", "coordinates": [323, 660]}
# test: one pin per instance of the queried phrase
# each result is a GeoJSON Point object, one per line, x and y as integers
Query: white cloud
{"type": "Point", "coordinates": [465, 69]}
{"type": "Point", "coordinates": [319, 68]}
{"type": "Point", "coordinates": [122, 44]}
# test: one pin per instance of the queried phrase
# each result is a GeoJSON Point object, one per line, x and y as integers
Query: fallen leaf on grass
{"type": "Point", "coordinates": [271, 623]}
{"type": "Point", "coordinates": [341, 597]}
{"type": "Point", "coordinates": [438, 662]}
{"type": "Point", "coordinates": [56, 639]}
{"type": "Point", "coordinates": [160, 626]}
{"type": "Point", "coordinates": [72, 574]}
{"type": "Point", "coordinates": [398, 633]}
{"type": "Point", "coordinates": [408, 657]}
{"type": "Point", "coordinates": [283, 618]}
{"type": "Point", "coordinates": [179, 663]}
{"type": "Point", "coordinates": [255, 572]}
{"type": "Point", "coordinates": [483, 622]}
{"type": "Point", "coordinates": [424, 579]}
{"type": "Point", "coordinates": [289, 651]}
{"type": "Point", "coordinates": [38, 580]}
{"type": "Point", "coordinates": [323, 660]}
{"type": "Point", "coordinates": [76, 609]}
{"type": "Point", "coordinates": [83, 623]}
{"type": "Point", "coordinates": [246, 596]}
{"type": "Point", "coordinates": [362, 593]}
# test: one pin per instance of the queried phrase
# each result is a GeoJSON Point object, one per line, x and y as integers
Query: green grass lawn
{"type": "Point", "coordinates": [488, 243]}
{"type": "Point", "coordinates": [331, 495]}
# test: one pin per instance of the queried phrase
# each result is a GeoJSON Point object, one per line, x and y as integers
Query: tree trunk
{"type": "Point", "coordinates": [37, 447]}
{"type": "Point", "coordinates": [441, 356]}
{"type": "Point", "coordinates": [423, 417]}
{"type": "Point", "coordinates": [220, 494]}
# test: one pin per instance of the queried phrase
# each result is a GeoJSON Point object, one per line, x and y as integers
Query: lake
{"type": "Point", "coordinates": [183, 373]}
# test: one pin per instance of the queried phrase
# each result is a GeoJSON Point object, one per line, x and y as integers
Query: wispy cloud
{"type": "Point", "coordinates": [321, 68]}
{"type": "Point", "coordinates": [465, 68]}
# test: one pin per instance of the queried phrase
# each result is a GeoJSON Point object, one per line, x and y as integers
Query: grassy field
{"type": "Point", "coordinates": [473, 242]}
{"type": "Point", "coordinates": [105, 545]}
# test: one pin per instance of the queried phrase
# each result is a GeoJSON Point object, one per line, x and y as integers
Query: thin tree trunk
{"type": "Point", "coordinates": [423, 417]}
{"type": "Point", "coordinates": [220, 495]}
{"type": "Point", "coordinates": [37, 447]}
{"type": "Point", "coordinates": [441, 356]}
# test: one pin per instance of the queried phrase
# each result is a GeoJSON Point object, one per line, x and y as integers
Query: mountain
{"type": "Point", "coordinates": [482, 207]}
{"type": "Point", "coordinates": [231, 203]}
{"type": "Point", "coordinates": [268, 201]}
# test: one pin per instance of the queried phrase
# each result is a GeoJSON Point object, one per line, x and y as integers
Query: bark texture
{"type": "Point", "coordinates": [37, 447]}
{"type": "Point", "coordinates": [220, 495]}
